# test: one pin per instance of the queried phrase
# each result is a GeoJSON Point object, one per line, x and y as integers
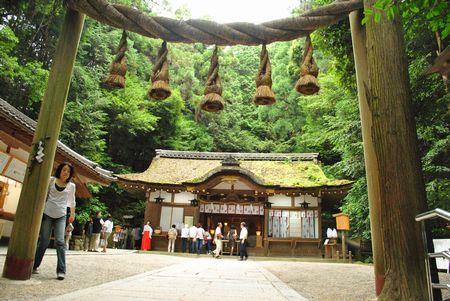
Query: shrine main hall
{"type": "Point", "coordinates": [281, 197]}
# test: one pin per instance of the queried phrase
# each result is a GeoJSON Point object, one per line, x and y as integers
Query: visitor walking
{"type": "Point", "coordinates": [243, 242]}
{"type": "Point", "coordinates": [199, 238]}
{"type": "Point", "coordinates": [184, 237]}
{"type": "Point", "coordinates": [87, 232]}
{"type": "Point", "coordinates": [136, 237]}
{"type": "Point", "coordinates": [192, 235]}
{"type": "Point", "coordinates": [147, 237]}
{"type": "Point", "coordinates": [97, 224]}
{"type": "Point", "coordinates": [218, 241]}
{"type": "Point", "coordinates": [172, 236]}
{"type": "Point", "coordinates": [61, 194]}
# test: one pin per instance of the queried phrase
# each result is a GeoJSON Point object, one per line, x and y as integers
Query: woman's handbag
{"type": "Point", "coordinates": [102, 242]}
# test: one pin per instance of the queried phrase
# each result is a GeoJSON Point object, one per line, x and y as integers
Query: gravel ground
{"type": "Point", "coordinates": [313, 280]}
{"type": "Point", "coordinates": [326, 281]}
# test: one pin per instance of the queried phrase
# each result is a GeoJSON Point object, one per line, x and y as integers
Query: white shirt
{"type": "Point", "coordinates": [243, 234]}
{"type": "Point", "coordinates": [216, 234]}
{"type": "Point", "coordinates": [58, 201]}
{"type": "Point", "coordinates": [192, 231]}
{"type": "Point", "coordinates": [108, 225]}
{"type": "Point", "coordinates": [200, 233]}
{"type": "Point", "coordinates": [185, 233]}
{"type": "Point", "coordinates": [149, 229]}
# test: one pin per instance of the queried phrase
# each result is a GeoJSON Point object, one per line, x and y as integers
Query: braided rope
{"type": "Point", "coordinates": [118, 69]}
{"type": "Point", "coordinates": [209, 32]}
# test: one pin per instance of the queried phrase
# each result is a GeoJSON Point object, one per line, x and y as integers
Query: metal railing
{"type": "Point", "coordinates": [444, 254]}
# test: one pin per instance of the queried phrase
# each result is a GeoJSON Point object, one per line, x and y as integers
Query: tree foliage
{"type": "Point", "coordinates": [121, 129]}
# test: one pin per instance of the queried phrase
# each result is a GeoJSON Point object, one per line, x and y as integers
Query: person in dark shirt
{"type": "Point", "coordinates": [97, 224]}
{"type": "Point", "coordinates": [87, 231]}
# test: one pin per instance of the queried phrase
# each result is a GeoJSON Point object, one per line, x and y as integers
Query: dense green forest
{"type": "Point", "coordinates": [121, 129]}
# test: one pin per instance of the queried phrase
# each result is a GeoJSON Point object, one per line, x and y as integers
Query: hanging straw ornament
{"type": "Point", "coordinates": [118, 69]}
{"type": "Point", "coordinates": [264, 94]}
{"type": "Point", "coordinates": [160, 88]}
{"type": "Point", "coordinates": [308, 83]}
{"type": "Point", "coordinates": [212, 101]}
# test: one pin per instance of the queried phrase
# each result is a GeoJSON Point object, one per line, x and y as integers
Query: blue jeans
{"type": "Point", "coordinates": [59, 226]}
{"type": "Point", "coordinates": [184, 240]}
{"type": "Point", "coordinates": [208, 243]}
{"type": "Point", "coordinates": [199, 246]}
{"type": "Point", "coordinates": [191, 245]}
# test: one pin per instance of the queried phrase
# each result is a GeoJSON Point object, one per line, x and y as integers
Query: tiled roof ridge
{"type": "Point", "coordinates": [30, 124]}
{"type": "Point", "coordinates": [162, 153]}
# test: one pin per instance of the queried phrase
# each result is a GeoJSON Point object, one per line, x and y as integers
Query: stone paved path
{"type": "Point", "coordinates": [200, 279]}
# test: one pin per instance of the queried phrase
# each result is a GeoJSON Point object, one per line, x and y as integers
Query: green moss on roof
{"type": "Point", "coordinates": [289, 174]}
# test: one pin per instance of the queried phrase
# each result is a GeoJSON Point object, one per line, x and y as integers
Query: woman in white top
{"type": "Point", "coordinates": [61, 194]}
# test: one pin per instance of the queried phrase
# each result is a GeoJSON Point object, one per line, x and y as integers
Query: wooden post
{"type": "Point", "coordinates": [402, 193]}
{"type": "Point", "coordinates": [343, 246]}
{"type": "Point", "coordinates": [370, 159]}
{"type": "Point", "coordinates": [25, 232]}
{"type": "Point", "coordinates": [266, 231]}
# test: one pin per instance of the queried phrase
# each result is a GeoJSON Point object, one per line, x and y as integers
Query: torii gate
{"type": "Point", "coordinates": [395, 185]}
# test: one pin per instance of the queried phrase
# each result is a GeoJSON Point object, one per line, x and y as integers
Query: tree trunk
{"type": "Point", "coordinates": [370, 158]}
{"type": "Point", "coordinates": [402, 189]}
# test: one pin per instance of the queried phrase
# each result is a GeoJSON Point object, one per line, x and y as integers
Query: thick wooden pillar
{"type": "Point", "coordinates": [25, 232]}
{"type": "Point", "coordinates": [370, 159]}
{"type": "Point", "coordinates": [402, 189]}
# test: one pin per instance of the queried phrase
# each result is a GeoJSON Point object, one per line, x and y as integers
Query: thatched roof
{"type": "Point", "coordinates": [280, 170]}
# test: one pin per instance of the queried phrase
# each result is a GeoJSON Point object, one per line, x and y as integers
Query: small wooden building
{"type": "Point", "coordinates": [16, 135]}
{"type": "Point", "coordinates": [279, 196]}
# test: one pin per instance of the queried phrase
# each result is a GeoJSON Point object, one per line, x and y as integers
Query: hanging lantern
{"type": "Point", "coordinates": [264, 94]}
{"type": "Point", "coordinates": [118, 69]}
{"type": "Point", "coordinates": [212, 101]}
{"type": "Point", "coordinates": [308, 83]}
{"type": "Point", "coordinates": [160, 88]}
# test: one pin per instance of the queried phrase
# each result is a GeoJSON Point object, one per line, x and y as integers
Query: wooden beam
{"type": "Point", "coordinates": [25, 232]}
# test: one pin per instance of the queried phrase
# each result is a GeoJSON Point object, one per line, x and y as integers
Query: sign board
{"type": "Point", "coordinates": [16, 170]}
{"type": "Point", "coordinates": [342, 221]}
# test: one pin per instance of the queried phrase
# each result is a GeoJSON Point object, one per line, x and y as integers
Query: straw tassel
{"type": "Point", "coordinates": [212, 101]}
{"type": "Point", "coordinates": [264, 94]}
{"type": "Point", "coordinates": [118, 69]}
{"type": "Point", "coordinates": [308, 83]}
{"type": "Point", "coordinates": [160, 88]}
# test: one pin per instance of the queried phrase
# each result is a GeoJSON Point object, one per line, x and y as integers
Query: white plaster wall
{"type": "Point", "coordinates": [280, 200]}
{"type": "Point", "coordinates": [238, 185]}
{"type": "Point", "coordinates": [20, 154]}
{"type": "Point", "coordinates": [3, 146]}
{"type": "Point", "coordinates": [312, 200]}
{"type": "Point", "coordinates": [184, 197]}
{"type": "Point", "coordinates": [164, 194]}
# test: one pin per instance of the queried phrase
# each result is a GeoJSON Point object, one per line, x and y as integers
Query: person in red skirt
{"type": "Point", "coordinates": [147, 237]}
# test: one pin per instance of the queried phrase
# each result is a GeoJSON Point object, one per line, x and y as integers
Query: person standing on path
{"type": "Point", "coordinates": [218, 241]}
{"type": "Point", "coordinates": [108, 227]}
{"type": "Point", "coordinates": [243, 242]}
{"type": "Point", "coordinates": [69, 229]}
{"type": "Point", "coordinates": [147, 237]}
{"type": "Point", "coordinates": [136, 237]}
{"type": "Point", "coordinates": [232, 236]}
{"type": "Point", "coordinates": [61, 194]}
{"type": "Point", "coordinates": [184, 237]}
{"type": "Point", "coordinates": [172, 236]}
{"type": "Point", "coordinates": [192, 235]}
{"type": "Point", "coordinates": [199, 238]}
{"type": "Point", "coordinates": [87, 231]}
{"type": "Point", "coordinates": [207, 239]}
{"type": "Point", "coordinates": [97, 223]}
